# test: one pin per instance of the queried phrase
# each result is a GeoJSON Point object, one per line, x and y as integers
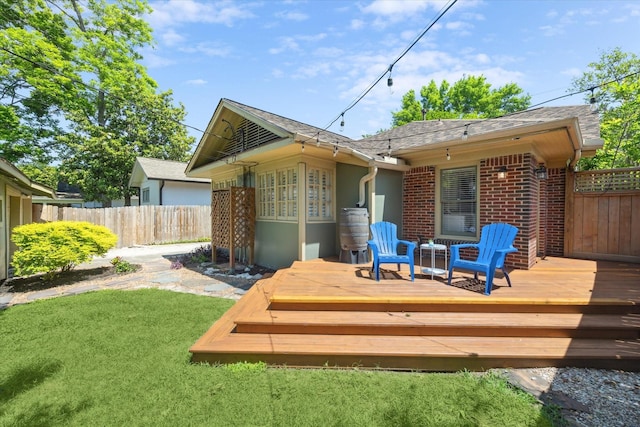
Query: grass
{"type": "Point", "coordinates": [121, 358]}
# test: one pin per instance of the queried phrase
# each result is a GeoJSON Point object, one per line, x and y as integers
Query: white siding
{"type": "Point", "coordinates": [185, 193]}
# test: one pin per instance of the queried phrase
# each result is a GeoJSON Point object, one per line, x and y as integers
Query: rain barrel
{"type": "Point", "coordinates": [354, 234]}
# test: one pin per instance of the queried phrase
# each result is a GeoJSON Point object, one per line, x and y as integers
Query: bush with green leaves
{"type": "Point", "coordinates": [58, 246]}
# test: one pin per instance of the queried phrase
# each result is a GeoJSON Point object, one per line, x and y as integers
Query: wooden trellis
{"type": "Point", "coordinates": [233, 223]}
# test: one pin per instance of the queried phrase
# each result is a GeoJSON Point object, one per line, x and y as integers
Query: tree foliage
{"type": "Point", "coordinates": [73, 92]}
{"type": "Point", "coordinates": [469, 97]}
{"type": "Point", "coordinates": [615, 80]}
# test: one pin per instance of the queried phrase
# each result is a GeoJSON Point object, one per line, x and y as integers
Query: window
{"type": "Point", "coordinates": [320, 194]}
{"type": "Point", "coordinates": [145, 195]}
{"type": "Point", "coordinates": [278, 194]}
{"type": "Point", "coordinates": [458, 201]}
{"type": "Point", "coordinates": [287, 202]}
{"type": "Point", "coordinates": [266, 195]}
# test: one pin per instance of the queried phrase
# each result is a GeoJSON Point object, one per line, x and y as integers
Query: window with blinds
{"type": "Point", "coordinates": [459, 201]}
{"type": "Point", "coordinates": [266, 195]}
{"type": "Point", "coordinates": [287, 191]}
{"type": "Point", "coordinates": [320, 194]}
{"type": "Point", "coordinates": [278, 194]}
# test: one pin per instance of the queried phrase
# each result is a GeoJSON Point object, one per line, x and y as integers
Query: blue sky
{"type": "Point", "coordinates": [308, 60]}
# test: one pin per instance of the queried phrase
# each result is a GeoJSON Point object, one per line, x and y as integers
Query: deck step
{"type": "Point", "coordinates": [429, 353]}
{"type": "Point", "coordinates": [558, 325]}
{"type": "Point", "coordinates": [447, 304]}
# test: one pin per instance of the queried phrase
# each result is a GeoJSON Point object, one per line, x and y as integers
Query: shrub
{"type": "Point", "coordinates": [60, 245]}
{"type": "Point", "coordinates": [122, 265]}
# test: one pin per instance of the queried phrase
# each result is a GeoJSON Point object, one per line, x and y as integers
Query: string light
{"type": "Point", "coordinates": [318, 140]}
{"type": "Point", "coordinates": [465, 134]}
{"type": "Point", "coordinates": [342, 122]}
{"type": "Point", "coordinates": [335, 150]}
{"type": "Point", "coordinates": [390, 80]}
{"type": "Point", "coordinates": [303, 146]}
{"type": "Point", "coordinates": [389, 148]}
{"type": "Point", "coordinates": [448, 155]}
{"type": "Point", "coordinates": [592, 102]}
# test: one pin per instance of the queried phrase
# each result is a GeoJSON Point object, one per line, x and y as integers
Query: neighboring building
{"type": "Point", "coordinates": [439, 179]}
{"type": "Point", "coordinates": [16, 191]}
{"type": "Point", "coordinates": [163, 182]}
{"type": "Point", "coordinates": [66, 196]}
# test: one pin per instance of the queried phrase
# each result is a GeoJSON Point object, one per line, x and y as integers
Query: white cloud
{"type": "Point", "coordinates": [176, 12]}
{"type": "Point", "coordinates": [196, 82]}
{"type": "Point", "coordinates": [395, 8]}
{"type": "Point", "coordinates": [328, 52]}
{"type": "Point", "coordinates": [172, 38]}
{"type": "Point", "coordinates": [292, 43]}
{"type": "Point", "coordinates": [572, 72]}
{"type": "Point", "coordinates": [356, 24]}
{"type": "Point", "coordinates": [293, 16]}
{"type": "Point", "coordinates": [153, 60]}
{"type": "Point", "coordinates": [209, 49]}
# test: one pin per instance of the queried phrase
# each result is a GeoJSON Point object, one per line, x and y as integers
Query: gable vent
{"type": "Point", "coordinates": [250, 135]}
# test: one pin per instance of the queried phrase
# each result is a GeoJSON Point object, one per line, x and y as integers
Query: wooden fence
{"type": "Point", "coordinates": [603, 215]}
{"type": "Point", "coordinates": [139, 225]}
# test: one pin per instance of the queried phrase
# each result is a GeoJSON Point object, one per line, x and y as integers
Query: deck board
{"type": "Point", "coordinates": [562, 312]}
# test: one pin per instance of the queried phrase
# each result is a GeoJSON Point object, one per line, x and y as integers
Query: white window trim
{"type": "Point", "coordinates": [281, 201]}
{"type": "Point", "coordinates": [328, 198]}
{"type": "Point", "coordinates": [438, 215]}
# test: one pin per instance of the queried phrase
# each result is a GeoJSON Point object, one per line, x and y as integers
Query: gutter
{"type": "Point", "coordinates": [368, 177]}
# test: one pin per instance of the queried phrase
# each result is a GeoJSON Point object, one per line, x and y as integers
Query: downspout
{"type": "Point", "coordinates": [161, 188]}
{"type": "Point", "coordinates": [368, 177]}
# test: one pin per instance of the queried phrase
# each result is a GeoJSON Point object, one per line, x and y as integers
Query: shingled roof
{"type": "Point", "coordinates": [168, 170]}
{"type": "Point", "coordinates": [290, 125]}
{"type": "Point", "coordinates": [424, 133]}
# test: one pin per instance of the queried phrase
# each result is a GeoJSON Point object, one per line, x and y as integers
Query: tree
{"type": "Point", "coordinates": [83, 70]}
{"type": "Point", "coordinates": [614, 82]}
{"type": "Point", "coordinates": [469, 97]}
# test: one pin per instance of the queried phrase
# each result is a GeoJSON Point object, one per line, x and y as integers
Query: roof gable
{"type": "Point", "coordinates": [158, 169]}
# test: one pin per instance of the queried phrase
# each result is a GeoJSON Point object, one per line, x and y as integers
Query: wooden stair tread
{"type": "Point", "coordinates": [369, 321]}
{"type": "Point", "coordinates": [423, 346]}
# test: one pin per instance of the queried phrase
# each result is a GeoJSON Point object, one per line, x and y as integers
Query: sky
{"type": "Point", "coordinates": [310, 60]}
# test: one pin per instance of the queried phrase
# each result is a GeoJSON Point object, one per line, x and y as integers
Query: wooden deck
{"type": "Point", "coordinates": [323, 313]}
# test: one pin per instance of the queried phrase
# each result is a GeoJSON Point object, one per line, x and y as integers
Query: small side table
{"type": "Point", "coordinates": [432, 269]}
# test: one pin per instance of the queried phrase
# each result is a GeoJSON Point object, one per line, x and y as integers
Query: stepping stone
{"type": "Point", "coordinates": [217, 287]}
{"type": "Point", "coordinates": [81, 289]}
{"type": "Point", "coordinates": [42, 294]}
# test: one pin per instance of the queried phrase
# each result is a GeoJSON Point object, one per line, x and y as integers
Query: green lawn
{"type": "Point", "coordinates": [121, 358]}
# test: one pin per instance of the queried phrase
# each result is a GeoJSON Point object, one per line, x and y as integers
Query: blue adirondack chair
{"type": "Point", "coordinates": [384, 245]}
{"type": "Point", "coordinates": [496, 241]}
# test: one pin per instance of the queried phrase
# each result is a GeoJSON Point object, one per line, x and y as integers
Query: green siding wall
{"type": "Point", "coordinates": [389, 197]}
{"type": "Point", "coordinates": [276, 244]}
{"type": "Point", "coordinates": [321, 240]}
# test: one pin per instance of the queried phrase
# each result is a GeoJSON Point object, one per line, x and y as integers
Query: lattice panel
{"type": "Point", "coordinates": [608, 180]}
{"type": "Point", "coordinates": [221, 218]}
{"type": "Point", "coordinates": [233, 220]}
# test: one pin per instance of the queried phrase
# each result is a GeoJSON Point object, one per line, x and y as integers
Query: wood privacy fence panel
{"type": "Point", "coordinates": [603, 215]}
{"type": "Point", "coordinates": [141, 225]}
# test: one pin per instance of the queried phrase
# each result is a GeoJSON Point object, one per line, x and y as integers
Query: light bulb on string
{"type": "Point", "coordinates": [448, 155]}
{"type": "Point", "coordinates": [465, 134]}
{"type": "Point", "coordinates": [342, 122]}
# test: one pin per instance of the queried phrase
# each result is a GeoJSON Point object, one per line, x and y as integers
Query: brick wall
{"type": "Point", "coordinates": [419, 203]}
{"type": "Point", "coordinates": [513, 199]}
{"type": "Point", "coordinates": [555, 203]}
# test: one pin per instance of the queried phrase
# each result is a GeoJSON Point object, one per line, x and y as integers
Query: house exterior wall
{"type": "Point", "coordinates": [555, 187]}
{"type": "Point", "coordinates": [154, 192]}
{"type": "Point", "coordinates": [388, 201]}
{"type": "Point", "coordinates": [4, 231]}
{"type": "Point", "coordinates": [185, 193]}
{"type": "Point", "coordinates": [320, 240]}
{"type": "Point", "coordinates": [535, 207]}
{"type": "Point", "coordinates": [276, 244]}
